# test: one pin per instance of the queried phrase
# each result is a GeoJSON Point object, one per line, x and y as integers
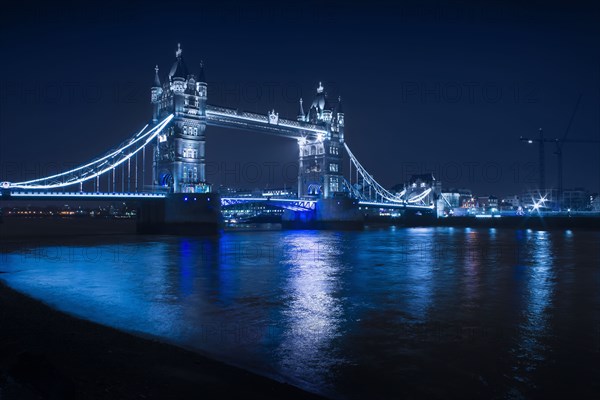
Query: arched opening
{"type": "Point", "coordinates": [166, 179]}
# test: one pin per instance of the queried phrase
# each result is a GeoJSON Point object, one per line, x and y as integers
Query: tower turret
{"type": "Point", "coordinates": [156, 78]}
{"type": "Point", "coordinates": [156, 92]}
{"type": "Point", "coordinates": [202, 88]}
{"type": "Point", "coordinates": [327, 111]}
{"type": "Point", "coordinates": [177, 80]}
{"type": "Point", "coordinates": [340, 119]}
{"type": "Point", "coordinates": [301, 116]}
{"type": "Point", "coordinates": [340, 112]}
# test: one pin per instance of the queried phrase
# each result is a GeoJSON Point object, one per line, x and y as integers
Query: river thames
{"type": "Point", "coordinates": [380, 313]}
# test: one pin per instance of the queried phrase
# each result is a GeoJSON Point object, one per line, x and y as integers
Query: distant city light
{"type": "Point", "coordinates": [540, 203]}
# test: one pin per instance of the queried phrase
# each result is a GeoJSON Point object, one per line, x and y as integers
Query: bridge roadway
{"type": "Point", "coordinates": [294, 204]}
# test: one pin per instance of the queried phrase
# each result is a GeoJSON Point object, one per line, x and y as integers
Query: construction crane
{"type": "Point", "coordinates": [559, 143]}
{"type": "Point", "coordinates": [541, 141]}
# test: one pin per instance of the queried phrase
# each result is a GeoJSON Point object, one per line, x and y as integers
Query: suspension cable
{"type": "Point", "coordinates": [380, 190]}
{"type": "Point", "coordinates": [99, 166]}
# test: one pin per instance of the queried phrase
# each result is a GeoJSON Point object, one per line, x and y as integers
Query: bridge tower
{"type": "Point", "coordinates": [179, 155]}
{"type": "Point", "coordinates": [320, 158]}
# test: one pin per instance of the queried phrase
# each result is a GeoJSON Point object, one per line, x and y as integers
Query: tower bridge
{"type": "Point", "coordinates": [175, 141]}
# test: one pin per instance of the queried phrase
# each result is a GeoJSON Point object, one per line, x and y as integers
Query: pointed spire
{"type": "Point", "coordinates": [320, 88]}
{"type": "Point", "coordinates": [301, 116]}
{"type": "Point", "coordinates": [201, 77]}
{"type": "Point", "coordinates": [156, 78]}
{"type": "Point", "coordinates": [178, 70]}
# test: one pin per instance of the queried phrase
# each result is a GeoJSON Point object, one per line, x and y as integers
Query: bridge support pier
{"type": "Point", "coordinates": [181, 214]}
{"type": "Point", "coordinates": [333, 213]}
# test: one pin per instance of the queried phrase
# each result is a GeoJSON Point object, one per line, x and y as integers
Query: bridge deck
{"type": "Point", "coordinates": [300, 204]}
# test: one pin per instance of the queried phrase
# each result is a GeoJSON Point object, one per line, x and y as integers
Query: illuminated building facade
{"type": "Point", "coordinates": [179, 156]}
{"type": "Point", "coordinates": [320, 166]}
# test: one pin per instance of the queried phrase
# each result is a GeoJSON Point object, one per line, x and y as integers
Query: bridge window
{"type": "Point", "coordinates": [333, 167]}
{"type": "Point", "coordinates": [305, 151]}
{"type": "Point", "coordinates": [313, 150]}
{"type": "Point", "coordinates": [333, 150]}
{"type": "Point", "coordinates": [333, 184]}
{"type": "Point", "coordinates": [185, 130]}
{"type": "Point", "coordinates": [321, 150]}
{"type": "Point", "coordinates": [190, 153]}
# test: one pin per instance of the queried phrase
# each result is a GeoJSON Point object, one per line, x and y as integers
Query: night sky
{"type": "Point", "coordinates": [426, 85]}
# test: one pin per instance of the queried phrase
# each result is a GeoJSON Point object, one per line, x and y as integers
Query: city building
{"type": "Point", "coordinates": [456, 198]}
{"type": "Point", "coordinates": [510, 203]}
{"type": "Point", "coordinates": [596, 203]}
{"type": "Point", "coordinates": [545, 200]}
{"type": "Point", "coordinates": [488, 203]}
{"type": "Point", "coordinates": [577, 199]}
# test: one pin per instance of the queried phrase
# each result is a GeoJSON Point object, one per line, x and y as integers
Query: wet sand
{"type": "Point", "coordinates": [46, 354]}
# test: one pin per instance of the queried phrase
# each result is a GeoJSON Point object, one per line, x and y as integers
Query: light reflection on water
{"type": "Point", "coordinates": [539, 281]}
{"type": "Point", "coordinates": [313, 312]}
{"type": "Point", "coordinates": [387, 313]}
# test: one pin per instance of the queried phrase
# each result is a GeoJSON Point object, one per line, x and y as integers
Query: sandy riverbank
{"type": "Point", "coordinates": [50, 355]}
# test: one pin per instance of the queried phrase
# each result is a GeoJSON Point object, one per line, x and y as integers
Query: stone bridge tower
{"type": "Point", "coordinates": [320, 159]}
{"type": "Point", "coordinates": [179, 156]}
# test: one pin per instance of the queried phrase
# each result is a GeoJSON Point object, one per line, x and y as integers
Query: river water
{"type": "Point", "coordinates": [381, 313]}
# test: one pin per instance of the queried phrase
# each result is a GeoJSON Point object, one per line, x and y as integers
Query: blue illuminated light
{"type": "Point", "coordinates": [102, 164]}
